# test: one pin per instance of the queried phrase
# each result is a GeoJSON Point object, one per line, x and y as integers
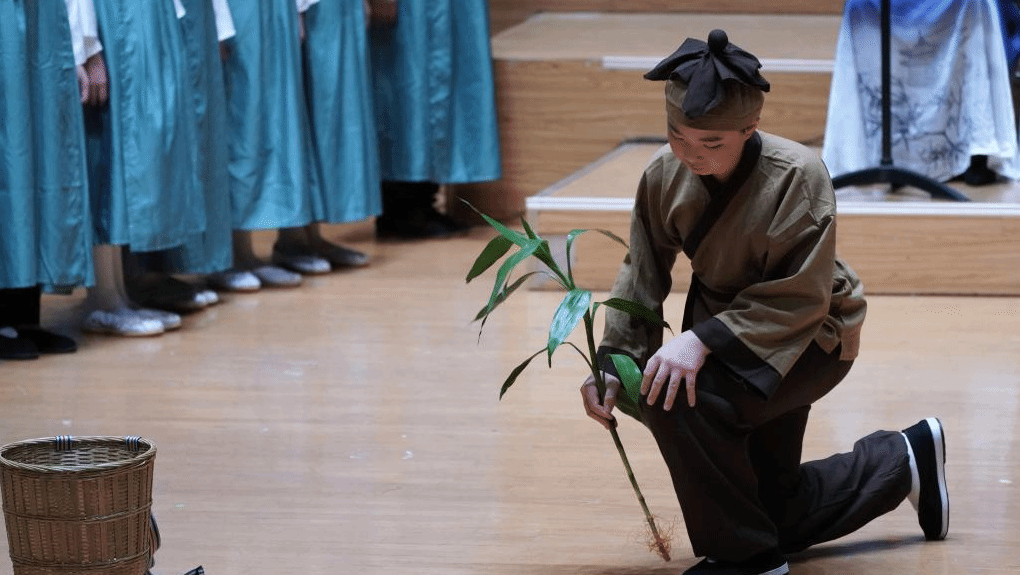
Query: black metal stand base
{"type": "Point", "coordinates": [897, 177]}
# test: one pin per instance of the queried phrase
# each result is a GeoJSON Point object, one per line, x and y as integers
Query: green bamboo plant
{"type": "Point", "coordinates": [577, 306]}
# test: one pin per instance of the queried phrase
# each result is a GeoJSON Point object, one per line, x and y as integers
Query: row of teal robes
{"type": "Point", "coordinates": [273, 174]}
{"type": "Point", "coordinates": [141, 146]}
{"type": "Point", "coordinates": [434, 93]}
{"type": "Point", "coordinates": [211, 250]}
{"type": "Point", "coordinates": [45, 227]}
{"type": "Point", "coordinates": [338, 84]}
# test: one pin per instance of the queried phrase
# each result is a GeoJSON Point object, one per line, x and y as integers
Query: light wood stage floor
{"type": "Point", "coordinates": [352, 426]}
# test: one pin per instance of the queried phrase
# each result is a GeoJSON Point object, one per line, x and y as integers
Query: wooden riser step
{"type": "Point", "coordinates": [570, 87]}
{"type": "Point", "coordinates": [507, 13]}
{"type": "Point", "coordinates": [902, 243]}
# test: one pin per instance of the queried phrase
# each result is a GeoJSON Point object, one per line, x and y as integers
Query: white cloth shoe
{"type": "Point", "coordinates": [124, 323]}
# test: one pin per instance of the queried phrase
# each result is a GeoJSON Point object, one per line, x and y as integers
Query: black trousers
{"type": "Point", "coordinates": [735, 461]}
{"type": "Point", "coordinates": [20, 306]}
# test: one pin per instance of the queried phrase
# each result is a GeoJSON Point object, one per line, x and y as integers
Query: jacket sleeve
{"type": "Point", "coordinates": [644, 277]}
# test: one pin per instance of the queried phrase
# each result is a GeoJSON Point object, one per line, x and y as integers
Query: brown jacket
{"type": "Point", "coordinates": [767, 281]}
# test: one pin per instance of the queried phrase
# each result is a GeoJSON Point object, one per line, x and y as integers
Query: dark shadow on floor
{"type": "Point", "coordinates": [855, 548]}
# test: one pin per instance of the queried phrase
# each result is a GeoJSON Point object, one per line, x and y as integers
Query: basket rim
{"type": "Point", "coordinates": [146, 451]}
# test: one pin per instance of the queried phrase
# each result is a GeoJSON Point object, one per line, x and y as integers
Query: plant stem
{"type": "Point", "coordinates": [659, 542]}
{"type": "Point", "coordinates": [601, 385]}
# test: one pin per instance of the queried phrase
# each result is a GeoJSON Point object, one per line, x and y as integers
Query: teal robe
{"type": "Point", "coordinates": [434, 93]}
{"type": "Point", "coordinates": [338, 82]}
{"type": "Point", "coordinates": [142, 176]}
{"type": "Point", "coordinates": [45, 228]}
{"type": "Point", "coordinates": [209, 251]}
{"type": "Point", "coordinates": [273, 176]}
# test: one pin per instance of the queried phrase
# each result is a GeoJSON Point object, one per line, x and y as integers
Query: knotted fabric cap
{"type": "Point", "coordinates": [714, 85]}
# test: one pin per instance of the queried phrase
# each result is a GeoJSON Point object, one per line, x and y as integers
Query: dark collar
{"type": "Point", "coordinates": [720, 194]}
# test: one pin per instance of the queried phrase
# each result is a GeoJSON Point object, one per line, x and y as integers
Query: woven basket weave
{"type": "Point", "coordinates": [78, 505]}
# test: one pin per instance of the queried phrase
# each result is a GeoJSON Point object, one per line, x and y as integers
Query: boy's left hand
{"type": "Point", "coordinates": [679, 360]}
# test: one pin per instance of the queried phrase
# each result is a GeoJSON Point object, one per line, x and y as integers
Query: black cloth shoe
{"type": "Point", "coordinates": [409, 213]}
{"type": "Point", "coordinates": [928, 443]}
{"type": "Point", "coordinates": [767, 563]}
{"type": "Point", "coordinates": [413, 226]}
{"type": "Point", "coordinates": [978, 173]}
{"type": "Point", "coordinates": [47, 341]}
{"type": "Point", "coordinates": [19, 347]}
{"type": "Point", "coordinates": [162, 291]}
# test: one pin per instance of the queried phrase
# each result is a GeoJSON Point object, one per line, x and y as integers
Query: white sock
{"type": "Point", "coordinates": [915, 480]}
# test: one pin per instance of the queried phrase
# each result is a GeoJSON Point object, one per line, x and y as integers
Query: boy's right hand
{"type": "Point", "coordinates": [601, 409]}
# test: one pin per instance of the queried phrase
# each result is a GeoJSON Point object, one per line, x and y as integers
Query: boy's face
{"type": "Point", "coordinates": [708, 152]}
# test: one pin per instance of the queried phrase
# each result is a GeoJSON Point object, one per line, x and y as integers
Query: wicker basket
{"type": "Point", "coordinates": [78, 505]}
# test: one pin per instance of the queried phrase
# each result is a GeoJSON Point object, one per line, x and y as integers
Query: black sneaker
{"type": "Point", "coordinates": [928, 443]}
{"type": "Point", "coordinates": [768, 563]}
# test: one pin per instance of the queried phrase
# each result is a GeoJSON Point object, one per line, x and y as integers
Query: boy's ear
{"type": "Point", "coordinates": [750, 129]}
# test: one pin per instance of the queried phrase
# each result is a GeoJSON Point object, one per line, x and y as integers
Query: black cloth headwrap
{"type": "Point", "coordinates": [703, 66]}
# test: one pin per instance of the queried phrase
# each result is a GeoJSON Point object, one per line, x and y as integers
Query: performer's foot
{"type": "Point", "coordinates": [208, 296]}
{"type": "Point", "coordinates": [767, 563]}
{"type": "Point", "coordinates": [170, 320]}
{"type": "Point", "coordinates": [927, 444]}
{"type": "Point", "coordinates": [340, 256]}
{"type": "Point", "coordinates": [275, 276]}
{"type": "Point", "coordinates": [14, 346]}
{"type": "Point", "coordinates": [978, 173]}
{"type": "Point", "coordinates": [302, 263]}
{"type": "Point", "coordinates": [123, 322]}
{"type": "Point", "coordinates": [163, 292]}
{"type": "Point", "coordinates": [235, 280]}
{"type": "Point", "coordinates": [418, 224]}
{"type": "Point", "coordinates": [47, 341]}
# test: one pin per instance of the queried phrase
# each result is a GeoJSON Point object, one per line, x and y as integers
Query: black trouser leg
{"type": "Point", "coordinates": [735, 463]}
{"type": "Point", "coordinates": [20, 306]}
{"type": "Point", "coordinates": [823, 500]}
{"type": "Point", "coordinates": [705, 449]}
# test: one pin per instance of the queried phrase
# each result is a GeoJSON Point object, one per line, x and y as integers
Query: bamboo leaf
{"type": "Point", "coordinates": [544, 254]}
{"type": "Point", "coordinates": [630, 376]}
{"type": "Point", "coordinates": [637, 310]}
{"type": "Point", "coordinates": [527, 229]}
{"type": "Point", "coordinates": [504, 294]}
{"type": "Point", "coordinates": [568, 314]}
{"type": "Point", "coordinates": [583, 355]}
{"type": "Point", "coordinates": [542, 251]}
{"type": "Point", "coordinates": [629, 373]}
{"type": "Point", "coordinates": [517, 372]}
{"type": "Point", "coordinates": [496, 248]}
{"type": "Point", "coordinates": [614, 237]}
{"type": "Point", "coordinates": [515, 237]}
{"type": "Point", "coordinates": [508, 266]}
{"type": "Point", "coordinates": [574, 234]}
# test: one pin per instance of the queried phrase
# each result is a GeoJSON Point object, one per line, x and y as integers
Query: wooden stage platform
{"type": "Point", "coordinates": [569, 87]}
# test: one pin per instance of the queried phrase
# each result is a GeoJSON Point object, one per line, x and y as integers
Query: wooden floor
{"type": "Point", "coordinates": [352, 426]}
